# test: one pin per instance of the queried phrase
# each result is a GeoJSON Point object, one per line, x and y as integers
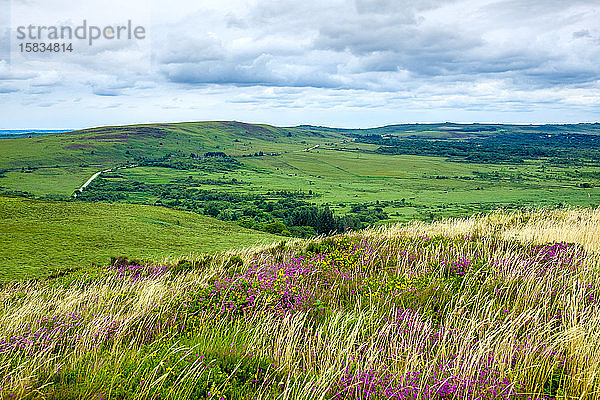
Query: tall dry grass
{"type": "Point", "coordinates": [518, 322]}
{"type": "Point", "coordinates": [573, 225]}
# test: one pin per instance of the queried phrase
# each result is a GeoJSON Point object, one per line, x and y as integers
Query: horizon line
{"type": "Point", "coordinates": [65, 130]}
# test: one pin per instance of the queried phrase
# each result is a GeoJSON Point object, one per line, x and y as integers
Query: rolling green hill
{"type": "Point", "coordinates": [57, 164]}
{"type": "Point", "coordinates": [286, 180]}
{"type": "Point", "coordinates": [37, 237]}
{"type": "Point", "coordinates": [111, 145]}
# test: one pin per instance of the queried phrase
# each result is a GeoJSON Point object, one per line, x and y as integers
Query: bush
{"type": "Point", "coordinates": [234, 262]}
{"type": "Point", "coordinates": [302, 231]}
{"type": "Point", "coordinates": [275, 228]}
{"type": "Point", "coordinates": [183, 266]}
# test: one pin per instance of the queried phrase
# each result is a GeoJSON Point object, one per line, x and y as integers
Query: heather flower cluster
{"type": "Point", "coordinates": [137, 272]}
{"type": "Point", "coordinates": [442, 384]}
{"type": "Point", "coordinates": [456, 267]}
{"type": "Point", "coordinates": [347, 317]}
{"type": "Point", "coordinates": [301, 283]}
{"type": "Point", "coordinates": [280, 288]}
{"type": "Point", "coordinates": [46, 334]}
{"type": "Point", "coordinates": [544, 260]}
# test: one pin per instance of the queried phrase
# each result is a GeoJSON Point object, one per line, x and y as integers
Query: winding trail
{"type": "Point", "coordinates": [97, 174]}
{"type": "Point", "coordinates": [307, 149]}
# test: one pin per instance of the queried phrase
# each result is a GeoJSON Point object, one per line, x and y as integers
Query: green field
{"type": "Point", "coordinates": [48, 181]}
{"type": "Point", "coordinates": [283, 181]}
{"type": "Point", "coordinates": [427, 184]}
{"type": "Point", "coordinates": [37, 237]}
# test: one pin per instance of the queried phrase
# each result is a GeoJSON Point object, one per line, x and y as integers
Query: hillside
{"type": "Point", "coordinates": [39, 237]}
{"type": "Point", "coordinates": [113, 145]}
{"type": "Point", "coordinates": [460, 131]}
{"type": "Point", "coordinates": [497, 307]}
{"type": "Point", "coordinates": [287, 180]}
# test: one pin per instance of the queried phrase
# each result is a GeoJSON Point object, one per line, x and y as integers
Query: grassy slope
{"type": "Point", "coordinates": [453, 310]}
{"type": "Point", "coordinates": [64, 161]}
{"type": "Point", "coordinates": [37, 237]}
{"type": "Point", "coordinates": [108, 146]}
{"type": "Point", "coordinates": [336, 171]}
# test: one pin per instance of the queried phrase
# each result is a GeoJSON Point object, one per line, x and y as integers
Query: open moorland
{"type": "Point", "coordinates": [503, 306]}
{"type": "Point", "coordinates": [300, 181]}
{"type": "Point", "coordinates": [414, 171]}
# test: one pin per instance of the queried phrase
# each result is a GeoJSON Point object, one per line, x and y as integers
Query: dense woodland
{"type": "Point", "coordinates": [508, 148]}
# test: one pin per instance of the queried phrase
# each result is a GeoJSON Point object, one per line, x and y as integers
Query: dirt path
{"type": "Point", "coordinates": [97, 174]}
{"type": "Point", "coordinates": [307, 149]}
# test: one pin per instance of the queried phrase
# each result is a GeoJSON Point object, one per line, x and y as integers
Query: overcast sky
{"type": "Point", "coordinates": [351, 63]}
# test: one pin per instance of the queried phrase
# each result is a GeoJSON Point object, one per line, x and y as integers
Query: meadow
{"type": "Point", "coordinates": [417, 171]}
{"type": "Point", "coordinates": [265, 181]}
{"type": "Point", "coordinates": [407, 187]}
{"type": "Point", "coordinates": [40, 237]}
{"type": "Point", "coordinates": [501, 306]}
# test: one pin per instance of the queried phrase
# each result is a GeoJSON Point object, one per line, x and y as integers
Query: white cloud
{"type": "Point", "coordinates": [365, 62]}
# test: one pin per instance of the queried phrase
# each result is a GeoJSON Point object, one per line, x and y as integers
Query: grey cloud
{"type": "Point", "coordinates": [109, 86]}
{"type": "Point", "coordinates": [181, 49]}
{"type": "Point", "coordinates": [4, 89]}
{"type": "Point", "coordinates": [369, 44]}
{"type": "Point", "coordinates": [4, 43]}
{"type": "Point", "coordinates": [584, 33]}
{"type": "Point", "coordinates": [394, 6]}
{"type": "Point", "coordinates": [258, 72]}
{"type": "Point", "coordinates": [362, 53]}
{"type": "Point", "coordinates": [6, 74]}
{"type": "Point", "coordinates": [552, 78]}
{"type": "Point", "coordinates": [107, 92]}
{"type": "Point", "coordinates": [532, 9]}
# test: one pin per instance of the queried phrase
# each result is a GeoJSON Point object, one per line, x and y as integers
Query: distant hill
{"type": "Point", "coordinates": [278, 178]}
{"type": "Point", "coordinates": [110, 145]}
{"type": "Point", "coordinates": [449, 129]}
{"type": "Point", "coordinates": [10, 133]}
